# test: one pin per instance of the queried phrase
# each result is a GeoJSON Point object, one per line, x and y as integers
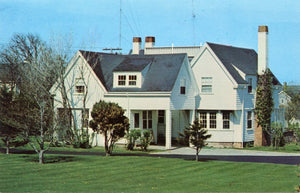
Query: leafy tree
{"type": "Point", "coordinates": [264, 103]}
{"type": "Point", "coordinates": [277, 135]}
{"type": "Point", "coordinates": [10, 128]}
{"type": "Point", "coordinates": [196, 135]}
{"type": "Point", "coordinates": [293, 109]}
{"type": "Point", "coordinates": [109, 120]}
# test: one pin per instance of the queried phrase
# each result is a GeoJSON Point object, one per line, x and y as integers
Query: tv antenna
{"type": "Point", "coordinates": [120, 33]}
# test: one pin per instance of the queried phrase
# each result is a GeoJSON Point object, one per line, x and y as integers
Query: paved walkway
{"type": "Point", "coordinates": [219, 152]}
{"type": "Point", "coordinates": [235, 155]}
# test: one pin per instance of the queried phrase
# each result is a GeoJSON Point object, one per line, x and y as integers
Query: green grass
{"type": "Point", "coordinates": [117, 149]}
{"type": "Point", "coordinates": [22, 173]}
{"type": "Point", "coordinates": [288, 148]}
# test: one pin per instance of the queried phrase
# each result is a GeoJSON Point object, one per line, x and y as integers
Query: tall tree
{"type": "Point", "coordinates": [109, 120]}
{"type": "Point", "coordinates": [196, 135]}
{"type": "Point", "coordinates": [264, 103]}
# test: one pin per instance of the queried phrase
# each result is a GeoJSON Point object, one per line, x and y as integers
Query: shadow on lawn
{"type": "Point", "coordinates": [51, 159]}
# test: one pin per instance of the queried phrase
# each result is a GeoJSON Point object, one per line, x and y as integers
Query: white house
{"type": "Point", "coordinates": [165, 88]}
{"type": "Point", "coordinates": [227, 77]}
{"type": "Point", "coordinates": [157, 91]}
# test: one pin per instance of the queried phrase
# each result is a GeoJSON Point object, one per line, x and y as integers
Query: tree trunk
{"type": "Point", "coordinates": [107, 152]}
{"type": "Point", "coordinates": [7, 145]}
{"type": "Point", "coordinates": [197, 154]}
{"type": "Point", "coordinates": [41, 156]}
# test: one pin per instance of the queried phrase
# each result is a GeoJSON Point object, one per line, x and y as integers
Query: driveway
{"type": "Point", "coordinates": [232, 155]}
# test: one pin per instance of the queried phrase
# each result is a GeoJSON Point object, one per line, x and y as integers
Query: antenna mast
{"type": "Point", "coordinates": [120, 27]}
{"type": "Point", "coordinates": [193, 17]}
{"type": "Point", "coordinates": [120, 34]}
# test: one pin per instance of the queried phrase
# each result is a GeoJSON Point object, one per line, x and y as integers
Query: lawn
{"type": "Point", "coordinates": [22, 173]}
{"type": "Point", "coordinates": [288, 148]}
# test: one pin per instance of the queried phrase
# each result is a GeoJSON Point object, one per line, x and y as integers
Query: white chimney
{"type": "Point", "coordinates": [263, 49]}
{"type": "Point", "coordinates": [136, 45]}
{"type": "Point", "coordinates": [149, 42]}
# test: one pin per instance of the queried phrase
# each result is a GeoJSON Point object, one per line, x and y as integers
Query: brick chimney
{"type": "Point", "coordinates": [263, 49]}
{"type": "Point", "coordinates": [149, 42]}
{"type": "Point", "coordinates": [136, 45]}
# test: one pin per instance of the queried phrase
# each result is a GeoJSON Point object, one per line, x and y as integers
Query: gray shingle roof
{"type": "Point", "coordinates": [241, 58]}
{"type": "Point", "coordinates": [161, 76]}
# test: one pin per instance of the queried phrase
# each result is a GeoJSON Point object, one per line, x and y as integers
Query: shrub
{"type": "Point", "coordinates": [146, 139]}
{"type": "Point", "coordinates": [132, 136]}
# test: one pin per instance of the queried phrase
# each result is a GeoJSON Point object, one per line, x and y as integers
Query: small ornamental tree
{"type": "Point", "coordinates": [264, 103]}
{"type": "Point", "coordinates": [109, 120]}
{"type": "Point", "coordinates": [196, 135]}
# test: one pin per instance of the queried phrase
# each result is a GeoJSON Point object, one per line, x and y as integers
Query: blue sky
{"type": "Point", "coordinates": [95, 24]}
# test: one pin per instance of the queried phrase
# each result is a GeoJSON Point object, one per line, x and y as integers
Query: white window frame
{"type": "Point", "coordinates": [250, 85]}
{"type": "Point", "coordinates": [182, 87]}
{"type": "Point", "coordinates": [206, 85]}
{"type": "Point", "coordinates": [132, 79]}
{"type": "Point", "coordinates": [79, 86]}
{"type": "Point", "coordinates": [121, 80]}
{"type": "Point", "coordinates": [249, 119]}
{"type": "Point", "coordinates": [147, 118]}
{"type": "Point", "coordinates": [226, 120]}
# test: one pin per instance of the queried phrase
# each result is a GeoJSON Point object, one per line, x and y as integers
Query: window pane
{"type": "Point", "coordinates": [121, 80]}
{"type": "Point", "coordinates": [144, 124]}
{"type": "Point", "coordinates": [226, 120]}
{"type": "Point", "coordinates": [249, 120]}
{"type": "Point", "coordinates": [206, 88]}
{"type": "Point", "coordinates": [203, 120]}
{"type": "Point", "coordinates": [213, 120]}
{"type": "Point", "coordinates": [79, 89]}
{"type": "Point", "coordinates": [149, 114]}
{"type": "Point", "coordinates": [144, 114]}
{"type": "Point", "coordinates": [149, 124]}
{"type": "Point", "coordinates": [136, 120]}
{"type": "Point", "coordinates": [182, 90]}
{"type": "Point", "coordinates": [161, 116]}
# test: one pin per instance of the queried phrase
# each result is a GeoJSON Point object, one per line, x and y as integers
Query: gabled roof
{"type": "Point", "coordinates": [234, 58]}
{"type": "Point", "coordinates": [160, 77]}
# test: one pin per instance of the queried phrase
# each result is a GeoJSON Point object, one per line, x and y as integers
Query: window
{"type": "Point", "coordinates": [147, 119]}
{"type": "Point", "coordinates": [121, 80]}
{"type": "Point", "coordinates": [212, 120]}
{"type": "Point", "coordinates": [79, 89]}
{"type": "Point", "coordinates": [206, 89]}
{"type": "Point", "coordinates": [203, 119]}
{"type": "Point", "coordinates": [249, 120]}
{"type": "Point", "coordinates": [136, 120]}
{"type": "Point", "coordinates": [132, 80]}
{"type": "Point", "coordinates": [206, 86]}
{"type": "Point", "coordinates": [161, 116]}
{"type": "Point", "coordinates": [250, 85]}
{"type": "Point", "coordinates": [226, 120]}
{"type": "Point", "coordinates": [182, 86]}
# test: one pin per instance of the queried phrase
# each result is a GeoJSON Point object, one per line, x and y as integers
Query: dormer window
{"type": "Point", "coordinates": [127, 79]}
{"type": "Point", "coordinates": [121, 80]}
{"type": "Point", "coordinates": [132, 80]}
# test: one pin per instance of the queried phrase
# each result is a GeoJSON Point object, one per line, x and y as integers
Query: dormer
{"type": "Point", "coordinates": [131, 72]}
